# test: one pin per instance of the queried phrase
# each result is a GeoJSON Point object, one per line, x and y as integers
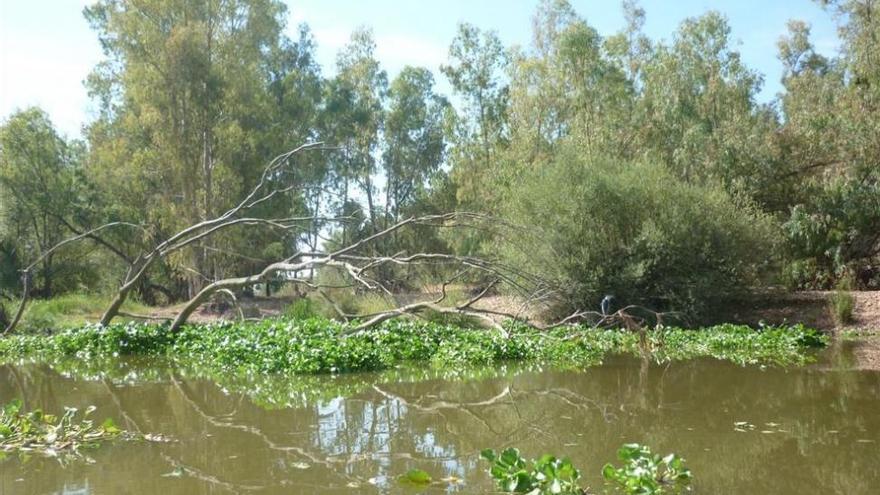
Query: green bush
{"type": "Point", "coordinates": [842, 303]}
{"type": "Point", "coordinates": [301, 309]}
{"type": "Point", "coordinates": [834, 234]}
{"type": "Point", "coordinates": [596, 227]}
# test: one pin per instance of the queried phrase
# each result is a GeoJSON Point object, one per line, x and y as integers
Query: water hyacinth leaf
{"type": "Point", "coordinates": [416, 477]}
{"type": "Point", "coordinates": [109, 426]}
{"type": "Point", "coordinates": [511, 457]}
{"type": "Point", "coordinates": [488, 454]}
{"type": "Point", "coordinates": [321, 346]}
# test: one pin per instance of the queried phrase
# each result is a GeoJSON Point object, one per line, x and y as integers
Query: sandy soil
{"type": "Point", "coordinates": [867, 351]}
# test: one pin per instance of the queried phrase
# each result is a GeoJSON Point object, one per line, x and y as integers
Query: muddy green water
{"type": "Point", "coordinates": [816, 429]}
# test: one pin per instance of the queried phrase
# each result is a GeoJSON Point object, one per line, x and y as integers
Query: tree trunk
{"type": "Point", "coordinates": [135, 274]}
{"type": "Point", "coordinates": [4, 320]}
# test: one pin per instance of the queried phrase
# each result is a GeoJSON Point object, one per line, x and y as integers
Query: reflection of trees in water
{"type": "Point", "coordinates": [389, 426]}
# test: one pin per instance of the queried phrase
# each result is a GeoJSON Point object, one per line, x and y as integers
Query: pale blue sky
{"type": "Point", "coordinates": [47, 49]}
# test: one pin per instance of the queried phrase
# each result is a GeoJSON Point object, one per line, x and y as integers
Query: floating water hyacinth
{"type": "Point", "coordinates": [63, 437]}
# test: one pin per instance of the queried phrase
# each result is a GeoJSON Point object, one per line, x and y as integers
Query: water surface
{"type": "Point", "coordinates": [805, 430]}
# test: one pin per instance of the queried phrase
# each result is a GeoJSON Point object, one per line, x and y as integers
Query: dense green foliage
{"type": "Point", "coordinates": [321, 346]}
{"type": "Point", "coordinates": [646, 473]}
{"type": "Point", "coordinates": [643, 473]}
{"type": "Point", "coordinates": [637, 232]}
{"type": "Point", "coordinates": [632, 165]}
{"type": "Point", "coordinates": [543, 476]}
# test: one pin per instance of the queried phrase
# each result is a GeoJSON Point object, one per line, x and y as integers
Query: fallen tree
{"type": "Point", "coordinates": [361, 271]}
{"type": "Point", "coordinates": [27, 272]}
{"type": "Point", "coordinates": [262, 192]}
{"type": "Point", "coordinates": [362, 263]}
{"type": "Point", "coordinates": [138, 267]}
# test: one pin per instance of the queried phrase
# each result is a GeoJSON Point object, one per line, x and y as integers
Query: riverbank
{"type": "Point", "coordinates": [773, 309]}
{"type": "Point", "coordinates": [315, 345]}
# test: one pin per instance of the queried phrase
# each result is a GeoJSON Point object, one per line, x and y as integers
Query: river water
{"type": "Point", "coordinates": [743, 430]}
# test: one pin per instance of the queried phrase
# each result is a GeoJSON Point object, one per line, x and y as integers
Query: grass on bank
{"type": "Point", "coordinates": [842, 302]}
{"type": "Point", "coordinates": [290, 346]}
{"type": "Point", "coordinates": [64, 311]}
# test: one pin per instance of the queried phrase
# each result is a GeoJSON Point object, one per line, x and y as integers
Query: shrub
{"type": "Point", "coordinates": [835, 233]}
{"type": "Point", "coordinates": [597, 227]}
{"type": "Point", "coordinates": [301, 309]}
{"type": "Point", "coordinates": [842, 303]}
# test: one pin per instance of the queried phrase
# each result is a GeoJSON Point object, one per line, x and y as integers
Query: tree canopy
{"type": "Point", "coordinates": [646, 167]}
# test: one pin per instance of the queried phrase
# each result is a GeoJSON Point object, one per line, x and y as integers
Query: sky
{"type": "Point", "coordinates": [47, 49]}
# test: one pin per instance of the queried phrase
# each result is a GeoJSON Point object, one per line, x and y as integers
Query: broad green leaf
{"type": "Point", "coordinates": [416, 477]}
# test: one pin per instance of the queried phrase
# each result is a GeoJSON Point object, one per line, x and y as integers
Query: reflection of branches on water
{"type": "Point", "coordinates": [208, 478]}
{"type": "Point", "coordinates": [438, 406]}
{"type": "Point", "coordinates": [13, 370]}
{"type": "Point", "coordinates": [130, 423]}
{"type": "Point", "coordinates": [212, 420]}
{"type": "Point", "coordinates": [585, 403]}
{"type": "Point", "coordinates": [442, 404]}
{"type": "Point", "coordinates": [177, 464]}
{"type": "Point", "coordinates": [508, 397]}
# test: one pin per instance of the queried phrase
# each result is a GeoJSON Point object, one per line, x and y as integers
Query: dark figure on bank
{"type": "Point", "coordinates": [605, 305]}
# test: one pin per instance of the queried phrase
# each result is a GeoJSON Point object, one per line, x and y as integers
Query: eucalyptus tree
{"type": "Point", "coordinates": [414, 142]}
{"type": "Point", "coordinates": [185, 109]}
{"type": "Point", "coordinates": [831, 138]}
{"type": "Point", "coordinates": [295, 89]}
{"type": "Point", "coordinates": [38, 186]}
{"type": "Point", "coordinates": [354, 118]}
{"type": "Point", "coordinates": [702, 120]}
{"type": "Point", "coordinates": [566, 88]}
{"type": "Point", "coordinates": [478, 133]}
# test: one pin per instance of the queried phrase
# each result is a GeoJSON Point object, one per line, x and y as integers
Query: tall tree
{"type": "Point", "coordinates": [38, 185]}
{"type": "Point", "coordinates": [476, 71]}
{"type": "Point", "coordinates": [831, 141]}
{"type": "Point", "coordinates": [355, 109]}
{"type": "Point", "coordinates": [414, 139]}
{"type": "Point", "coordinates": [699, 100]}
{"type": "Point", "coordinates": [187, 112]}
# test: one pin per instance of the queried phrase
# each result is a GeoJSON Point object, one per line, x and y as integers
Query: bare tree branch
{"type": "Point", "coordinates": [27, 272]}
{"type": "Point", "coordinates": [204, 229]}
{"type": "Point", "coordinates": [358, 266]}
